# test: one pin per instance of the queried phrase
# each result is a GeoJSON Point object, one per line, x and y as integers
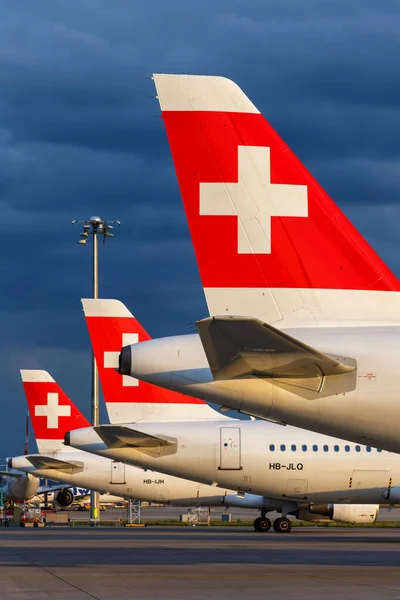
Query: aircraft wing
{"type": "Point", "coordinates": [11, 474]}
{"type": "Point", "coordinates": [240, 346]}
{"type": "Point", "coordinates": [46, 462]}
{"type": "Point", "coordinates": [118, 436]}
{"type": "Point", "coordinates": [46, 489]}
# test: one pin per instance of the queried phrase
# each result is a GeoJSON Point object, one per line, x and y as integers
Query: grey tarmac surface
{"type": "Point", "coordinates": [199, 563]}
{"type": "Point", "coordinates": [171, 513]}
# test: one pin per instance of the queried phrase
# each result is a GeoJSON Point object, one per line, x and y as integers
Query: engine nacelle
{"type": "Point", "coordinates": [64, 498]}
{"type": "Point", "coordinates": [392, 495]}
{"type": "Point", "coordinates": [21, 488]}
{"type": "Point", "coordinates": [341, 513]}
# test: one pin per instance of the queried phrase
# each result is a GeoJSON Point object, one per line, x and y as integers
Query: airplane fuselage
{"type": "Point", "coordinates": [118, 479]}
{"type": "Point", "coordinates": [362, 406]}
{"type": "Point", "coordinates": [262, 458]}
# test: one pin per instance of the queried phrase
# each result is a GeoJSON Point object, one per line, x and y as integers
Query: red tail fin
{"type": "Point", "coordinates": [111, 326]}
{"type": "Point", "coordinates": [267, 237]}
{"type": "Point", "coordinates": [52, 412]}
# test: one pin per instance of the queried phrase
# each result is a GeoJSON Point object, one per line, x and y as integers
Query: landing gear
{"type": "Point", "coordinates": [262, 524]}
{"type": "Point", "coordinates": [282, 525]}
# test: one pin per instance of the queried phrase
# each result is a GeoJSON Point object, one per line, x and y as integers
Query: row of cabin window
{"type": "Point", "coordinates": [325, 448]}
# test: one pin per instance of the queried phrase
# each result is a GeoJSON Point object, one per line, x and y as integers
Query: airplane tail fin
{"type": "Point", "coordinates": [52, 412]}
{"type": "Point", "coordinates": [269, 241]}
{"type": "Point", "coordinates": [111, 326]}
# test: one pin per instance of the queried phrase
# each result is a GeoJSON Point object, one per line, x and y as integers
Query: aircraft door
{"type": "Point", "coordinates": [230, 458]}
{"type": "Point", "coordinates": [117, 472]}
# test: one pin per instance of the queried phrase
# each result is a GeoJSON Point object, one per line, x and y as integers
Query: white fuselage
{"type": "Point", "coordinates": [106, 476]}
{"type": "Point", "coordinates": [262, 458]}
{"type": "Point", "coordinates": [363, 406]}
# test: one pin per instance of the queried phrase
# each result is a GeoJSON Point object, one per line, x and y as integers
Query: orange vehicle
{"type": "Point", "coordinates": [31, 515]}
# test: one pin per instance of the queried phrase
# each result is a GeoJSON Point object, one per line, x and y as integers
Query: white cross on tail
{"type": "Point", "coordinates": [52, 410]}
{"type": "Point", "coordinates": [254, 199]}
{"type": "Point", "coordinates": [111, 359]}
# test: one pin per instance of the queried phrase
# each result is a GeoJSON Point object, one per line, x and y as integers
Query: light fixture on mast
{"type": "Point", "coordinates": [95, 226]}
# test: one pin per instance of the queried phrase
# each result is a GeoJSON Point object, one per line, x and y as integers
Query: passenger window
{"type": "Point", "coordinates": [315, 448]}
{"type": "Point", "coordinates": [272, 447]}
{"type": "Point", "coordinates": [336, 448]}
{"type": "Point", "coordinates": [294, 447]}
{"type": "Point", "coordinates": [304, 448]}
{"type": "Point", "coordinates": [326, 448]}
{"type": "Point", "coordinates": [347, 448]}
{"type": "Point", "coordinates": [368, 448]}
{"type": "Point", "coordinates": [379, 449]}
{"type": "Point", "coordinates": [358, 448]}
{"type": "Point", "coordinates": [283, 447]}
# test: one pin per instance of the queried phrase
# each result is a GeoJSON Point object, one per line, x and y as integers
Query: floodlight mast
{"type": "Point", "coordinates": [95, 226]}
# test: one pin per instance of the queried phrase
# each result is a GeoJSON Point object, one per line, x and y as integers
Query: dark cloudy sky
{"type": "Point", "coordinates": [80, 135]}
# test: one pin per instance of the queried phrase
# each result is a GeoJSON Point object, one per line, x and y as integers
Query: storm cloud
{"type": "Point", "coordinates": [80, 134]}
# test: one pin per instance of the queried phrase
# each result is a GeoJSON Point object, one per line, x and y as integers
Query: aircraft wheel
{"type": "Point", "coordinates": [282, 525]}
{"type": "Point", "coordinates": [35, 525]}
{"type": "Point", "coordinates": [264, 525]}
{"type": "Point", "coordinates": [22, 524]}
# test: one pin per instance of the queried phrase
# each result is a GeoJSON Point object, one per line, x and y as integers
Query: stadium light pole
{"type": "Point", "coordinates": [95, 226]}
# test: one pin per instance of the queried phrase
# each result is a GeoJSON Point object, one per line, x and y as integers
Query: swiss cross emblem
{"type": "Point", "coordinates": [111, 359]}
{"type": "Point", "coordinates": [52, 410]}
{"type": "Point", "coordinates": [254, 200]}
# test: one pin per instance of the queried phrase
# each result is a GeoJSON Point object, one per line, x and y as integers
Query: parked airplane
{"type": "Point", "coordinates": [305, 317]}
{"type": "Point", "coordinates": [53, 414]}
{"type": "Point", "coordinates": [293, 469]}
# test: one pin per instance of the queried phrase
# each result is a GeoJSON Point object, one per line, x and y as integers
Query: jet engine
{"type": "Point", "coordinates": [21, 487]}
{"type": "Point", "coordinates": [64, 498]}
{"type": "Point", "coordinates": [342, 513]}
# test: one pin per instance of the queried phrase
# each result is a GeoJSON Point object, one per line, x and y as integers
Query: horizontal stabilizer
{"type": "Point", "coordinates": [239, 346]}
{"type": "Point", "coordinates": [117, 436]}
{"type": "Point", "coordinates": [46, 462]}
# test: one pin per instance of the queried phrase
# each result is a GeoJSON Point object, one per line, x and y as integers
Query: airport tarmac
{"type": "Point", "coordinates": [169, 513]}
{"type": "Point", "coordinates": [199, 563]}
{"type": "Point", "coordinates": [172, 513]}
